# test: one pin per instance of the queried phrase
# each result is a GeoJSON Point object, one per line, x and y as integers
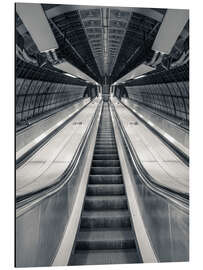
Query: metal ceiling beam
{"type": "Point", "coordinates": [58, 10]}
{"type": "Point", "coordinates": [66, 40]}
{"type": "Point", "coordinates": [123, 37]}
{"type": "Point", "coordinates": [91, 44]}
{"type": "Point", "coordinates": [105, 16]}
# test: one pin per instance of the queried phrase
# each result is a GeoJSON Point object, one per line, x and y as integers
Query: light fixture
{"type": "Point", "coordinates": [140, 70]}
{"type": "Point", "coordinates": [138, 77]}
{"type": "Point", "coordinates": [70, 69]}
{"type": "Point", "coordinates": [70, 75]}
{"type": "Point", "coordinates": [37, 25]}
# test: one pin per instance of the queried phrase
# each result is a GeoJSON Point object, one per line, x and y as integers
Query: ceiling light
{"type": "Point", "coordinates": [141, 76]}
{"type": "Point", "coordinates": [37, 25]}
{"type": "Point", "coordinates": [70, 75]}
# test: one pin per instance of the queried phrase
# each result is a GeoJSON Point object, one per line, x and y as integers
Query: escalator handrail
{"type": "Point", "coordinates": [182, 199]}
{"type": "Point", "coordinates": [36, 196]}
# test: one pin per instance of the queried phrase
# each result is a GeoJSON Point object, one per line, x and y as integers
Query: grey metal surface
{"type": "Point", "coordinates": [37, 28]}
{"type": "Point", "coordinates": [105, 222]}
{"type": "Point", "coordinates": [171, 27]}
{"type": "Point", "coordinates": [40, 230]}
{"type": "Point", "coordinates": [166, 222]}
{"type": "Point", "coordinates": [168, 127]}
{"type": "Point", "coordinates": [41, 126]}
{"type": "Point", "coordinates": [46, 165]}
{"type": "Point", "coordinates": [157, 159]}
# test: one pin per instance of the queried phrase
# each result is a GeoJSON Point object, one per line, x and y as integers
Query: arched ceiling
{"type": "Point", "coordinates": [104, 42]}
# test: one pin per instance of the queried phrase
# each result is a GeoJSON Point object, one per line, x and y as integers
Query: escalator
{"type": "Point", "coordinates": [105, 234]}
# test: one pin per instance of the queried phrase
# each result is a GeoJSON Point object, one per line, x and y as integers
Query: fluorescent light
{"type": "Point", "coordinates": [70, 69]}
{"type": "Point", "coordinates": [70, 75]}
{"type": "Point", "coordinates": [141, 76]}
{"type": "Point", "coordinates": [136, 73]}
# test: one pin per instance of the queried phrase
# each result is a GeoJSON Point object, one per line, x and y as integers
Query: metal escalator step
{"type": "Point", "coordinates": [105, 157]}
{"type": "Point", "coordinates": [101, 136]}
{"type": "Point", "coordinates": [109, 141]}
{"type": "Point", "coordinates": [103, 189]}
{"type": "Point", "coordinates": [105, 202]}
{"type": "Point", "coordinates": [105, 179]}
{"type": "Point", "coordinates": [105, 137]}
{"type": "Point", "coordinates": [105, 170]}
{"type": "Point", "coordinates": [105, 147]}
{"type": "Point", "coordinates": [106, 151]}
{"type": "Point", "coordinates": [97, 257]}
{"type": "Point", "coordinates": [105, 163]}
{"type": "Point", "coordinates": [105, 132]}
{"type": "Point", "coordinates": [105, 219]}
{"type": "Point", "coordinates": [105, 234]}
{"type": "Point", "coordinates": [105, 239]}
{"type": "Point", "coordinates": [106, 143]}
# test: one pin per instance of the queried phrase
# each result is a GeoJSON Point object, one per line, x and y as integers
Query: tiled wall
{"type": "Point", "coordinates": [171, 98]}
{"type": "Point", "coordinates": [35, 97]}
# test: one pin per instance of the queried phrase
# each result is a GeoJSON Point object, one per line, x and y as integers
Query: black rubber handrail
{"type": "Point", "coordinates": [22, 159]}
{"type": "Point", "coordinates": [180, 154]}
{"type": "Point", "coordinates": [181, 197]}
{"type": "Point", "coordinates": [66, 175]}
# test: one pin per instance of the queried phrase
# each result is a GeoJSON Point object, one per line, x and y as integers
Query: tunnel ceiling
{"type": "Point", "coordinates": [101, 41]}
{"type": "Point", "coordinates": [104, 42]}
{"type": "Point", "coordinates": [108, 41]}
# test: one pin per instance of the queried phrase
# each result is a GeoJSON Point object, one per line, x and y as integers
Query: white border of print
{"type": "Point", "coordinates": [196, 142]}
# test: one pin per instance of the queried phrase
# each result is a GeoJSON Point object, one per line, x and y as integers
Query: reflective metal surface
{"type": "Point", "coordinates": [39, 231]}
{"type": "Point", "coordinates": [167, 223]}
{"type": "Point", "coordinates": [164, 167]}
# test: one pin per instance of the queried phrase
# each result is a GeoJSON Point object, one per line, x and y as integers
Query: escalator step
{"type": "Point", "coordinates": [105, 235]}
{"type": "Point", "coordinates": [107, 163]}
{"type": "Point", "coordinates": [106, 143]}
{"type": "Point", "coordinates": [97, 257]}
{"type": "Point", "coordinates": [105, 157]}
{"type": "Point", "coordinates": [105, 179]}
{"type": "Point", "coordinates": [105, 202]}
{"type": "Point", "coordinates": [105, 219]}
{"type": "Point", "coordinates": [103, 189]}
{"type": "Point", "coordinates": [105, 170]}
{"type": "Point", "coordinates": [106, 151]}
{"type": "Point", "coordinates": [105, 239]}
{"type": "Point", "coordinates": [105, 147]}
